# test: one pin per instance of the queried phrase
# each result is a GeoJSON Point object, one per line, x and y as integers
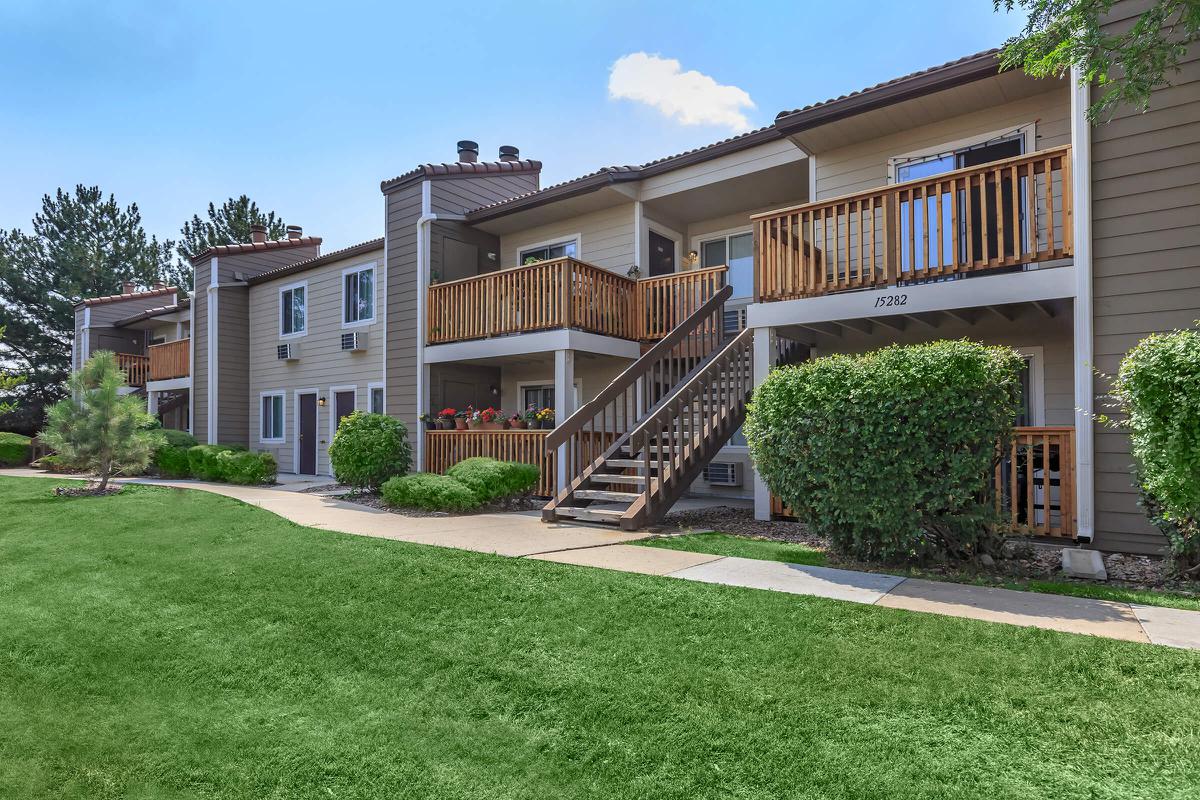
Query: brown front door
{"type": "Point", "coordinates": [662, 255]}
{"type": "Point", "coordinates": [343, 404]}
{"type": "Point", "coordinates": [308, 434]}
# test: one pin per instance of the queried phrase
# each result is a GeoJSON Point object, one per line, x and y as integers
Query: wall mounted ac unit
{"type": "Point", "coordinates": [288, 352]}
{"type": "Point", "coordinates": [355, 340]}
{"type": "Point", "coordinates": [722, 473]}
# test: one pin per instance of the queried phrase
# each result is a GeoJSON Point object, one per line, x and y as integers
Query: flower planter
{"type": "Point", "coordinates": [490, 426]}
{"type": "Point", "coordinates": [519, 424]}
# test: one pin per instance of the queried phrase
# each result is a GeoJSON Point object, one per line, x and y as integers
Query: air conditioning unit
{"type": "Point", "coordinates": [288, 352]}
{"type": "Point", "coordinates": [720, 473]}
{"type": "Point", "coordinates": [355, 340]}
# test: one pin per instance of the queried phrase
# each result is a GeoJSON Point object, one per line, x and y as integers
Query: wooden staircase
{"type": "Point", "coordinates": [634, 449]}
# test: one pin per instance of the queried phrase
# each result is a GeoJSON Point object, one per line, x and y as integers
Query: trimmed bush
{"type": "Point", "coordinates": [173, 462]}
{"type": "Point", "coordinates": [203, 463]}
{"type": "Point", "coordinates": [491, 480]}
{"type": "Point", "coordinates": [249, 469]}
{"type": "Point", "coordinates": [368, 449]}
{"type": "Point", "coordinates": [430, 492]}
{"type": "Point", "coordinates": [176, 438]}
{"type": "Point", "coordinates": [890, 454]}
{"type": "Point", "coordinates": [1159, 389]}
{"type": "Point", "coordinates": [14, 450]}
{"type": "Point", "coordinates": [57, 464]}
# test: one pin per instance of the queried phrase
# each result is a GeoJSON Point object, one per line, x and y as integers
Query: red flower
{"type": "Point", "coordinates": [447, 412]}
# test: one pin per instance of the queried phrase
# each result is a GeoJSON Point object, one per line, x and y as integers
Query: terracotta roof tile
{"type": "Point", "coordinates": [462, 168]}
{"type": "Point", "coordinates": [116, 298]}
{"type": "Point", "coordinates": [249, 247]}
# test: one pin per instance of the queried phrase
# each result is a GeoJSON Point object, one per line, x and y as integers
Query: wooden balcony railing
{"type": "Point", "coordinates": [667, 300]}
{"type": "Point", "coordinates": [136, 368]}
{"type": "Point", "coordinates": [444, 449]}
{"type": "Point", "coordinates": [169, 360]}
{"type": "Point", "coordinates": [1035, 481]}
{"type": "Point", "coordinates": [996, 215]}
{"type": "Point", "coordinates": [561, 293]}
{"type": "Point", "coordinates": [566, 293]}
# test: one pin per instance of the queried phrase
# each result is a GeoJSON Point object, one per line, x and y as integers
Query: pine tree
{"type": "Point", "coordinates": [8, 384]}
{"type": "Point", "coordinates": [229, 224]}
{"type": "Point", "coordinates": [97, 427]}
{"type": "Point", "coordinates": [82, 245]}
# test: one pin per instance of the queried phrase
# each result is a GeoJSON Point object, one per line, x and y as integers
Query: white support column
{"type": "Point", "coordinates": [564, 402]}
{"type": "Point", "coordinates": [1081, 186]}
{"type": "Point", "coordinates": [764, 354]}
{"type": "Point", "coordinates": [152, 402]}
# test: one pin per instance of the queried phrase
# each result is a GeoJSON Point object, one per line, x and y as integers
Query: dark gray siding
{"type": "Point", "coordinates": [233, 365]}
{"type": "Point", "coordinates": [403, 210]}
{"type": "Point", "coordinates": [459, 194]}
{"type": "Point", "coordinates": [200, 351]}
{"type": "Point", "coordinates": [1146, 261]}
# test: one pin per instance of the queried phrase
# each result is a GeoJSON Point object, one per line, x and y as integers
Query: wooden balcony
{"type": "Point", "coordinates": [169, 360]}
{"type": "Point", "coordinates": [565, 293]}
{"type": "Point", "coordinates": [995, 216]}
{"type": "Point", "coordinates": [136, 368]}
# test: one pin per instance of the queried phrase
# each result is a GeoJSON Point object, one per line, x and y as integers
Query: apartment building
{"type": "Point", "coordinates": [642, 303]}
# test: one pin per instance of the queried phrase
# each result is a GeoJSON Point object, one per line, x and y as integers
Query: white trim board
{"type": "Point", "coordinates": [529, 343]}
{"type": "Point", "coordinates": [172, 385]}
{"type": "Point", "coordinates": [363, 267]}
{"type": "Point", "coordinates": [211, 355]}
{"type": "Point", "coordinates": [263, 395]}
{"type": "Point", "coordinates": [988, 290]}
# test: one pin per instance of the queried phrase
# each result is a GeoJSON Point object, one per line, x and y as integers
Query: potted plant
{"type": "Point", "coordinates": [431, 422]}
{"type": "Point", "coordinates": [445, 419]}
{"type": "Point", "coordinates": [474, 418]}
{"type": "Point", "coordinates": [635, 272]}
{"type": "Point", "coordinates": [517, 421]}
{"type": "Point", "coordinates": [491, 420]}
{"type": "Point", "coordinates": [545, 418]}
{"type": "Point", "coordinates": [460, 421]}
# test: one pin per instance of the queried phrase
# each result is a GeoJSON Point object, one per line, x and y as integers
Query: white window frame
{"type": "Point", "coordinates": [360, 268]}
{"type": "Point", "coordinates": [575, 238]}
{"type": "Point", "coordinates": [1037, 383]}
{"type": "Point", "coordinates": [371, 387]}
{"type": "Point", "coordinates": [279, 310]}
{"type": "Point", "coordinates": [697, 244]}
{"type": "Point", "coordinates": [282, 395]}
{"type": "Point", "coordinates": [1028, 130]}
{"type": "Point", "coordinates": [523, 385]}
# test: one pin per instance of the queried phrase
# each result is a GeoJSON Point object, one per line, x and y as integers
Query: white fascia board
{"type": "Point", "coordinates": [530, 343]}
{"type": "Point", "coordinates": [990, 290]}
{"type": "Point", "coordinates": [172, 385]}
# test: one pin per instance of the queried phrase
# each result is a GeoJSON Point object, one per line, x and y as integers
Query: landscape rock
{"type": "Point", "coordinates": [1079, 563]}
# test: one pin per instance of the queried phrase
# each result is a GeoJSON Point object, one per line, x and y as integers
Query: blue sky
{"type": "Point", "coordinates": [306, 106]}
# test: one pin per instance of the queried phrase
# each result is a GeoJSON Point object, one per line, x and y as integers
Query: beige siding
{"type": "Point", "coordinates": [606, 238]}
{"type": "Point", "coordinates": [863, 166]}
{"type": "Point", "coordinates": [322, 364]}
{"type": "Point", "coordinates": [592, 372]}
{"type": "Point", "coordinates": [1146, 261]}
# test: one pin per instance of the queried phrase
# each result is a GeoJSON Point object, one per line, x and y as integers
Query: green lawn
{"type": "Point", "coordinates": [1120, 594]}
{"type": "Point", "coordinates": [170, 644]}
{"type": "Point", "coordinates": [726, 544]}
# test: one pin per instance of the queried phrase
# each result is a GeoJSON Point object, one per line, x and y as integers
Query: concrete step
{"type": "Point", "coordinates": [603, 494]}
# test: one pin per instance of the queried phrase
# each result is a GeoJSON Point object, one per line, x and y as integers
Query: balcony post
{"type": "Point", "coordinates": [567, 272]}
{"type": "Point", "coordinates": [764, 354]}
{"type": "Point", "coordinates": [564, 402]}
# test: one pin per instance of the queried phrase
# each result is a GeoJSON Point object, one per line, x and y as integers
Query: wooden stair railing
{"type": "Point", "coordinates": [634, 393]}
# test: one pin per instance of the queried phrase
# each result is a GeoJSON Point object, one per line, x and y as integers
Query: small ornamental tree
{"type": "Point", "coordinates": [368, 449]}
{"type": "Point", "coordinates": [890, 454]}
{"type": "Point", "coordinates": [1158, 387]}
{"type": "Point", "coordinates": [97, 427]}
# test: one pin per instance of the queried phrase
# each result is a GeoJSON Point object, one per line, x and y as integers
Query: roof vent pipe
{"type": "Point", "coordinates": [258, 233]}
{"type": "Point", "coordinates": [294, 232]}
{"type": "Point", "coordinates": [468, 151]}
{"type": "Point", "coordinates": [509, 153]}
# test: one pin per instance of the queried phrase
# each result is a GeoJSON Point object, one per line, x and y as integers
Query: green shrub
{"type": "Point", "coordinates": [249, 469]}
{"type": "Point", "coordinates": [59, 465]}
{"type": "Point", "coordinates": [173, 462]}
{"type": "Point", "coordinates": [176, 438]}
{"type": "Point", "coordinates": [430, 492]}
{"type": "Point", "coordinates": [890, 454]}
{"type": "Point", "coordinates": [368, 449]}
{"type": "Point", "coordinates": [1159, 390]}
{"type": "Point", "coordinates": [491, 480]}
{"type": "Point", "coordinates": [14, 450]}
{"type": "Point", "coordinates": [203, 462]}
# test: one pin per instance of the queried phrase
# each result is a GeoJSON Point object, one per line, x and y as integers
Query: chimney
{"type": "Point", "coordinates": [509, 153]}
{"type": "Point", "coordinates": [159, 285]}
{"type": "Point", "coordinates": [468, 151]}
{"type": "Point", "coordinates": [258, 234]}
{"type": "Point", "coordinates": [294, 232]}
{"type": "Point", "coordinates": [128, 287]}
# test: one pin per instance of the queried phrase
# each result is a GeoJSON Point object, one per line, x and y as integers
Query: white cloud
{"type": "Point", "coordinates": [691, 98]}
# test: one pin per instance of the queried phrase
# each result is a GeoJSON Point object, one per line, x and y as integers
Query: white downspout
{"type": "Point", "coordinates": [1081, 187]}
{"type": "Point", "coordinates": [211, 421]}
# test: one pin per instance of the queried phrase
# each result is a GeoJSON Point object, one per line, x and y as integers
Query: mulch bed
{"type": "Point", "coordinates": [373, 500]}
{"type": "Point", "coordinates": [1023, 559]}
{"type": "Point", "coordinates": [91, 490]}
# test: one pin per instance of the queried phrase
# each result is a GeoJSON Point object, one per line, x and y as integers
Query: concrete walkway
{"type": "Point", "coordinates": [525, 535]}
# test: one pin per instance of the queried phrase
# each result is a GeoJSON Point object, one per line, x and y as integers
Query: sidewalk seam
{"type": "Point", "coordinates": [903, 580]}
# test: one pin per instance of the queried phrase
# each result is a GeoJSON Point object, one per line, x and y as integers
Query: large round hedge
{"type": "Point", "coordinates": [368, 449]}
{"type": "Point", "coordinates": [491, 479]}
{"type": "Point", "coordinates": [429, 491]}
{"type": "Point", "coordinates": [1159, 389]}
{"type": "Point", "coordinates": [890, 454]}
